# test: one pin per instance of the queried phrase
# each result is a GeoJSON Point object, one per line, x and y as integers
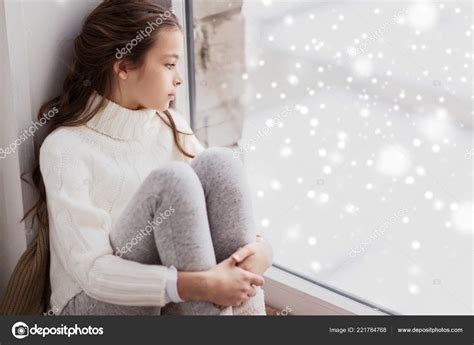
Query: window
{"type": "Point", "coordinates": [355, 126]}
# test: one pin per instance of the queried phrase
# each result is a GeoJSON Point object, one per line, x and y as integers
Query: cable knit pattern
{"type": "Point", "coordinates": [90, 173]}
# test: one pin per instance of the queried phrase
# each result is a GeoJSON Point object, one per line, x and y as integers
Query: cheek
{"type": "Point", "coordinates": [154, 80]}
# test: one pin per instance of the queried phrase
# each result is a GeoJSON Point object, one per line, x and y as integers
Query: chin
{"type": "Point", "coordinates": [162, 107]}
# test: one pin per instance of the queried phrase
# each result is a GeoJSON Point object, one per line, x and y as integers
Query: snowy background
{"type": "Point", "coordinates": [358, 143]}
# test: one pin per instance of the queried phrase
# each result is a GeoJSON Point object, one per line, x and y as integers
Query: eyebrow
{"type": "Point", "coordinates": [172, 55]}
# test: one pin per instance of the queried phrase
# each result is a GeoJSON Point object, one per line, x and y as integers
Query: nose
{"type": "Point", "coordinates": [178, 81]}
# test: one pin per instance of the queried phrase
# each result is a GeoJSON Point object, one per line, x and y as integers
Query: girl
{"type": "Point", "coordinates": [142, 219]}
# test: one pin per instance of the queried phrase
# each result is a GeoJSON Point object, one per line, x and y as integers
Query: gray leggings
{"type": "Point", "coordinates": [201, 214]}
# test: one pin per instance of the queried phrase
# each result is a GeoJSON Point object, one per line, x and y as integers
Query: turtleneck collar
{"type": "Point", "coordinates": [121, 123]}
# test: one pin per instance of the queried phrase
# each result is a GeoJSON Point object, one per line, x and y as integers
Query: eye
{"type": "Point", "coordinates": [170, 65]}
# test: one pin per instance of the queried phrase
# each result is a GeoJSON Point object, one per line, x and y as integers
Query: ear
{"type": "Point", "coordinates": [120, 69]}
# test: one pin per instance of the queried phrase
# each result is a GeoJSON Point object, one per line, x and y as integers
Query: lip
{"type": "Point", "coordinates": [172, 96]}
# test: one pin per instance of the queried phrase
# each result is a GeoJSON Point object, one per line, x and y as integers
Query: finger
{"type": "Point", "coordinates": [252, 292]}
{"type": "Point", "coordinates": [241, 301]}
{"type": "Point", "coordinates": [242, 254]}
{"type": "Point", "coordinates": [255, 279]}
{"type": "Point", "coordinates": [244, 265]}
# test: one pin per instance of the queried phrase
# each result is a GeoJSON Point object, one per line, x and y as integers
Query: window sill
{"type": "Point", "coordinates": [294, 295]}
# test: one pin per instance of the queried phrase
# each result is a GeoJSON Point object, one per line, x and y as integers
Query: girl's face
{"type": "Point", "coordinates": [154, 84]}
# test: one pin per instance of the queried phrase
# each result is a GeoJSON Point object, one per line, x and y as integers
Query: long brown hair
{"type": "Point", "coordinates": [106, 31]}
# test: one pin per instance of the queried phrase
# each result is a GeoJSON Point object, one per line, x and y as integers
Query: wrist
{"type": "Point", "coordinates": [193, 286]}
{"type": "Point", "coordinates": [267, 251]}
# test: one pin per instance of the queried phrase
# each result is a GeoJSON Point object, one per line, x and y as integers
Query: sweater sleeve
{"type": "Point", "coordinates": [79, 232]}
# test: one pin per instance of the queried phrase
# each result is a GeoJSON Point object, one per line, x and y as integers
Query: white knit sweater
{"type": "Point", "coordinates": [90, 173]}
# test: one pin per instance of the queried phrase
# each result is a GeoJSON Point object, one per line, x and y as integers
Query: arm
{"type": "Point", "coordinates": [192, 286]}
{"type": "Point", "coordinates": [79, 233]}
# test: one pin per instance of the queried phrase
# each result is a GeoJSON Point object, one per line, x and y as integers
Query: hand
{"type": "Point", "coordinates": [230, 285]}
{"type": "Point", "coordinates": [255, 257]}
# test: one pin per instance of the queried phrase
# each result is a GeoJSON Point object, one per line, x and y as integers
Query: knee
{"type": "Point", "coordinates": [175, 175]}
{"type": "Point", "coordinates": [217, 158]}
{"type": "Point", "coordinates": [217, 166]}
